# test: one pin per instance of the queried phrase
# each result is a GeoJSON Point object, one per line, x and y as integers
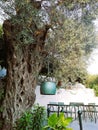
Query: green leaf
{"type": "Point", "coordinates": [52, 120]}
{"type": "Point", "coordinates": [58, 122]}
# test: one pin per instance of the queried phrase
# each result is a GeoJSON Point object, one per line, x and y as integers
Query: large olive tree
{"type": "Point", "coordinates": [25, 34]}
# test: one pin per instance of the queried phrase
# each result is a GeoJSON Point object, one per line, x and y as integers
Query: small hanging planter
{"type": "Point", "coordinates": [48, 88]}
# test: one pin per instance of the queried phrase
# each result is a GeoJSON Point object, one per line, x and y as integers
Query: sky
{"type": "Point", "coordinates": [93, 61]}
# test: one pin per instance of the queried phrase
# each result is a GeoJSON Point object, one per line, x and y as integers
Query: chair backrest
{"type": "Point", "coordinates": [91, 103]}
{"type": "Point", "coordinates": [76, 103]}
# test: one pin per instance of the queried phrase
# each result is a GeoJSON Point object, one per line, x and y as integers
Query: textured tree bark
{"type": "Point", "coordinates": [23, 66]}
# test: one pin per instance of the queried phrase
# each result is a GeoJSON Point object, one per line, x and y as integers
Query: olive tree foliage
{"type": "Point", "coordinates": [72, 43]}
{"type": "Point", "coordinates": [69, 51]}
{"type": "Point", "coordinates": [71, 34]}
{"type": "Point", "coordinates": [23, 14]}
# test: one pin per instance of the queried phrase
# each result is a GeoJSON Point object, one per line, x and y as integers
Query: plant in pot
{"type": "Point", "coordinates": [48, 84]}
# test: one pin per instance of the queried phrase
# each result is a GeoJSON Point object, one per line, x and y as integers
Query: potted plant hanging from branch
{"type": "Point", "coordinates": [48, 85]}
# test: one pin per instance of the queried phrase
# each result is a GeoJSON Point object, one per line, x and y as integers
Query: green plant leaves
{"type": "Point", "coordinates": [56, 122]}
{"type": "Point", "coordinates": [52, 121]}
{"type": "Point", "coordinates": [31, 120]}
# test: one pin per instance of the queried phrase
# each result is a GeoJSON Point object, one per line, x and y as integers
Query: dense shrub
{"type": "Point", "coordinates": [92, 82]}
{"type": "Point", "coordinates": [32, 120]}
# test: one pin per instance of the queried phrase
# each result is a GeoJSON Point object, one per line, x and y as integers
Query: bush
{"type": "Point", "coordinates": [92, 82]}
{"type": "Point", "coordinates": [95, 87]}
{"type": "Point", "coordinates": [31, 120]}
{"type": "Point", "coordinates": [56, 122]}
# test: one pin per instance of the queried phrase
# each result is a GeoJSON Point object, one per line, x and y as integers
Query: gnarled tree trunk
{"type": "Point", "coordinates": [23, 65]}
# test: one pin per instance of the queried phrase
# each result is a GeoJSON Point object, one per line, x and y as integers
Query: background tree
{"type": "Point", "coordinates": [25, 35]}
{"type": "Point", "coordinates": [73, 44]}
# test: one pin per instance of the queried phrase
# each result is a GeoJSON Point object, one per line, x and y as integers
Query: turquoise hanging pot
{"type": "Point", "coordinates": [48, 88]}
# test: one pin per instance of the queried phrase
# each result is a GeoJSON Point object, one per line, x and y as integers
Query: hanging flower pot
{"type": "Point", "coordinates": [48, 88]}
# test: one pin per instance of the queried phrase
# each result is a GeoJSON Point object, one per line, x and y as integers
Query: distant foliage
{"type": "Point", "coordinates": [92, 82]}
